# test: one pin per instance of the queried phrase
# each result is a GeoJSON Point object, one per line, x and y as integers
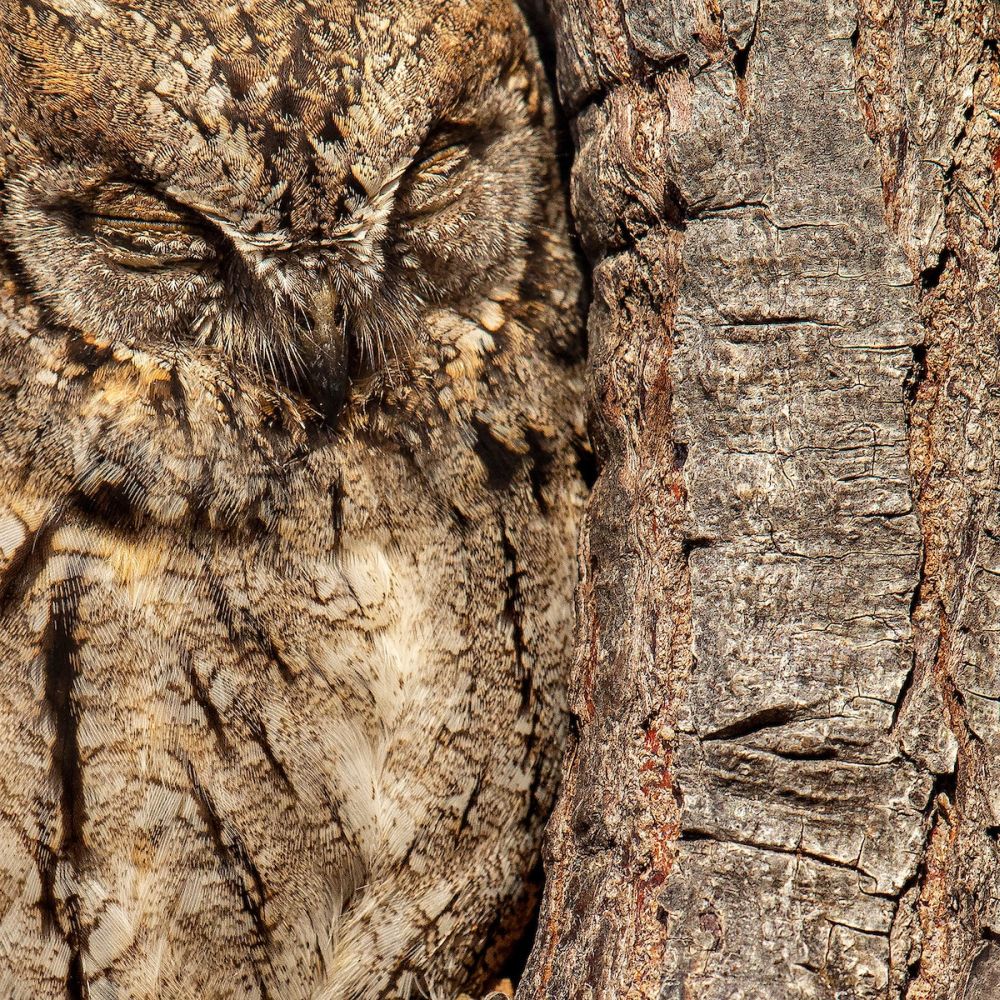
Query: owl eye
{"type": "Point", "coordinates": [139, 230]}
{"type": "Point", "coordinates": [433, 180]}
{"type": "Point", "coordinates": [465, 204]}
{"type": "Point", "coordinates": [447, 147]}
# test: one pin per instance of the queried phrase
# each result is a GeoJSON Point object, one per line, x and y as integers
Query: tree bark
{"type": "Point", "coordinates": [786, 776]}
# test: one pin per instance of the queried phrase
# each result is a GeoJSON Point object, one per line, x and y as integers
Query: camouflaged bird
{"type": "Point", "coordinates": [288, 492]}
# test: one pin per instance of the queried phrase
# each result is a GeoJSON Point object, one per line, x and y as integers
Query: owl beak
{"type": "Point", "coordinates": [325, 375]}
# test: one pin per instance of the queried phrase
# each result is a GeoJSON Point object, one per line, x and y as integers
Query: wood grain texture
{"type": "Point", "coordinates": [784, 779]}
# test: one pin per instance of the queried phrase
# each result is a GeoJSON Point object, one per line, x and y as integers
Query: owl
{"type": "Point", "coordinates": [289, 483]}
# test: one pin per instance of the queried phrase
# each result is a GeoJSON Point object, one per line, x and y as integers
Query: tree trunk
{"type": "Point", "coordinates": [786, 781]}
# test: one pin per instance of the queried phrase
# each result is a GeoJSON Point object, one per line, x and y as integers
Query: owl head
{"type": "Point", "coordinates": [291, 187]}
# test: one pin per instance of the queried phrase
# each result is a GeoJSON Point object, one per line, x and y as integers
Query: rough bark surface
{"type": "Point", "coordinates": [786, 781]}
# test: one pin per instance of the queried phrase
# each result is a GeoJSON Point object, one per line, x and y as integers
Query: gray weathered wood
{"type": "Point", "coordinates": [785, 783]}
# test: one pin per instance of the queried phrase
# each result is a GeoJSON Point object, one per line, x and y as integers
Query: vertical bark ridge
{"type": "Point", "coordinates": [929, 85]}
{"type": "Point", "coordinates": [609, 853]}
{"type": "Point", "coordinates": [613, 839]}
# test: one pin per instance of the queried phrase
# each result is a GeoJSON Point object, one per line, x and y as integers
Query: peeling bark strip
{"type": "Point", "coordinates": [785, 782]}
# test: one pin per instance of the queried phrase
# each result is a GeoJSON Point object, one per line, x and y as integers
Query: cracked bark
{"type": "Point", "coordinates": [785, 777]}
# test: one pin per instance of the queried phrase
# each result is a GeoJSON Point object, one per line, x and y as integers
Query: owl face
{"type": "Point", "coordinates": [292, 187]}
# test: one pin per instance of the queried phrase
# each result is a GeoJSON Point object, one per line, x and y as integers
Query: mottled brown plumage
{"type": "Point", "coordinates": [288, 409]}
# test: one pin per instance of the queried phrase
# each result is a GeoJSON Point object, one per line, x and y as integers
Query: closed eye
{"type": "Point", "coordinates": [447, 146]}
{"type": "Point", "coordinates": [165, 221]}
{"type": "Point", "coordinates": [140, 230]}
{"type": "Point", "coordinates": [438, 175]}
